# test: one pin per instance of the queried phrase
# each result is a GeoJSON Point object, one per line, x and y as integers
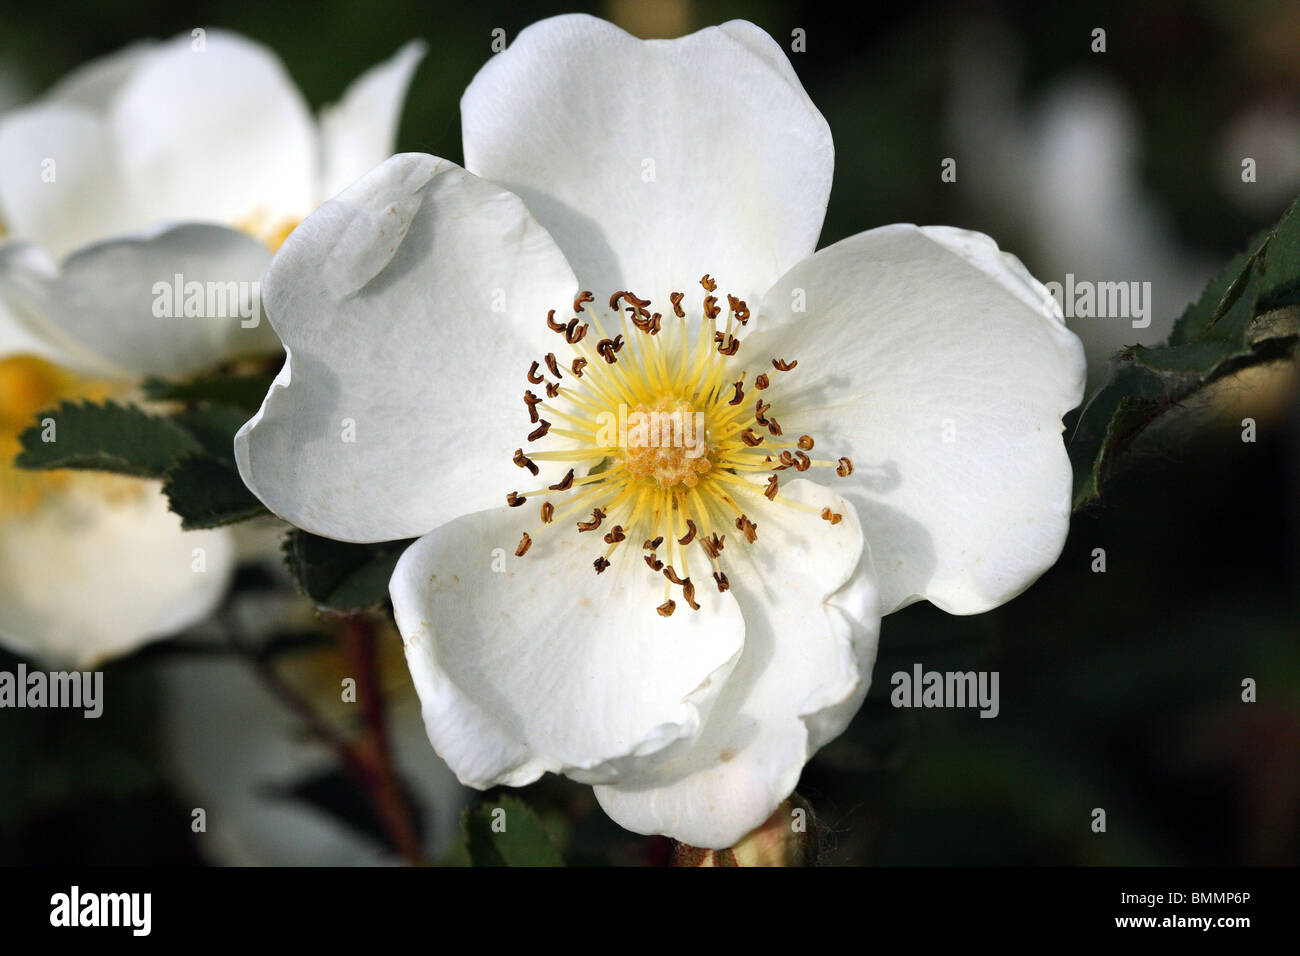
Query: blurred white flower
{"type": "Point", "coordinates": [1065, 174]}
{"type": "Point", "coordinates": [691, 692]}
{"type": "Point", "coordinates": [190, 157]}
{"type": "Point", "coordinates": [91, 565]}
{"type": "Point", "coordinates": [159, 160]}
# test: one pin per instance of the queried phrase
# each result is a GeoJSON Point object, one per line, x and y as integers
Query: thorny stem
{"type": "Point", "coordinates": [368, 760]}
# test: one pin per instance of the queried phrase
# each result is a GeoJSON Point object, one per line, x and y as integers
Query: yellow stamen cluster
{"type": "Point", "coordinates": [29, 385]}
{"type": "Point", "coordinates": [668, 438]}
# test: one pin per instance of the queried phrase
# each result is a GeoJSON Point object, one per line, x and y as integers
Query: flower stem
{"type": "Point", "coordinates": [368, 760]}
{"type": "Point", "coordinates": [385, 788]}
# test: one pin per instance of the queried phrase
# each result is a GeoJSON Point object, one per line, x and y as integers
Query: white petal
{"type": "Point", "coordinates": [214, 135]}
{"type": "Point", "coordinates": [942, 369]}
{"type": "Point", "coordinates": [25, 271]}
{"type": "Point", "coordinates": [93, 85]}
{"type": "Point", "coordinates": [119, 299]}
{"type": "Point", "coordinates": [654, 162]}
{"type": "Point", "coordinates": [359, 132]}
{"type": "Point", "coordinates": [94, 572]}
{"type": "Point", "coordinates": [811, 625]}
{"type": "Point", "coordinates": [384, 299]}
{"type": "Point", "coordinates": [60, 181]}
{"type": "Point", "coordinates": [545, 665]}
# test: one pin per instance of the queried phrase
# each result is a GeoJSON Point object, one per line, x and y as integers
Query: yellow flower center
{"type": "Point", "coordinates": [261, 226]}
{"type": "Point", "coordinates": [28, 386]}
{"type": "Point", "coordinates": [669, 435]}
{"type": "Point", "coordinates": [666, 442]}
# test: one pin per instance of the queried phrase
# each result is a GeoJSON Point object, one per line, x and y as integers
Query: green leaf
{"type": "Point", "coordinates": [208, 493]}
{"type": "Point", "coordinates": [107, 437]}
{"type": "Point", "coordinates": [242, 392]}
{"type": "Point", "coordinates": [339, 576]}
{"type": "Point", "coordinates": [213, 427]}
{"type": "Point", "coordinates": [1218, 335]}
{"type": "Point", "coordinates": [506, 833]}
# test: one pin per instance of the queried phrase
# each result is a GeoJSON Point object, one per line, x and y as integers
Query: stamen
{"type": "Point", "coordinates": [523, 461]}
{"type": "Point", "coordinates": [663, 442]}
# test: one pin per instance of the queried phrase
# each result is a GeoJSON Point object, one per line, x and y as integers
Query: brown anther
{"type": "Point", "coordinates": [577, 365]}
{"type": "Point", "coordinates": [845, 468]}
{"type": "Point", "coordinates": [712, 544]}
{"type": "Point", "coordinates": [650, 325]}
{"type": "Point", "coordinates": [739, 396]}
{"type": "Point", "coordinates": [774, 426]}
{"type": "Point", "coordinates": [597, 516]}
{"type": "Point", "coordinates": [760, 409]}
{"type": "Point", "coordinates": [666, 609]}
{"type": "Point", "coordinates": [615, 535]}
{"type": "Point", "coordinates": [552, 364]}
{"type": "Point", "coordinates": [671, 575]}
{"type": "Point", "coordinates": [787, 459]}
{"type": "Point", "coordinates": [548, 512]}
{"type": "Point", "coordinates": [655, 563]}
{"type": "Point", "coordinates": [761, 382]}
{"type": "Point", "coordinates": [781, 365]}
{"type": "Point", "coordinates": [613, 300]}
{"type": "Point", "coordinates": [771, 489]}
{"type": "Point", "coordinates": [639, 303]}
{"type": "Point", "coordinates": [524, 544]}
{"type": "Point", "coordinates": [802, 461]}
{"type": "Point", "coordinates": [833, 517]}
{"type": "Point", "coordinates": [552, 389]}
{"type": "Point", "coordinates": [573, 332]}
{"type": "Point", "coordinates": [723, 583]}
{"type": "Point", "coordinates": [600, 564]}
{"type": "Point", "coordinates": [750, 439]}
{"type": "Point", "coordinates": [711, 308]}
{"type": "Point", "coordinates": [552, 324]}
{"type": "Point", "coordinates": [731, 348]}
{"type": "Point", "coordinates": [708, 283]}
{"type": "Point", "coordinates": [531, 401]}
{"type": "Point", "coordinates": [805, 442]}
{"type": "Point", "coordinates": [606, 348]}
{"type": "Point", "coordinates": [676, 300]}
{"type": "Point", "coordinates": [515, 499]}
{"type": "Point", "coordinates": [564, 484]}
{"type": "Point", "coordinates": [688, 594]}
{"type": "Point", "coordinates": [690, 533]}
{"type": "Point", "coordinates": [747, 528]}
{"type": "Point", "coordinates": [523, 461]}
{"type": "Point", "coordinates": [539, 431]}
{"type": "Point", "coordinates": [533, 377]}
{"type": "Point", "coordinates": [738, 308]}
{"type": "Point", "coordinates": [582, 298]}
{"type": "Point", "coordinates": [652, 545]}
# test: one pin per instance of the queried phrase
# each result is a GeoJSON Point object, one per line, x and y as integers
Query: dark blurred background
{"type": "Point", "coordinates": [1119, 690]}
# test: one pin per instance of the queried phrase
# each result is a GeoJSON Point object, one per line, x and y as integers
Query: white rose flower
{"type": "Point", "coordinates": [711, 621]}
{"type": "Point", "coordinates": [190, 157]}
{"type": "Point", "coordinates": [162, 159]}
